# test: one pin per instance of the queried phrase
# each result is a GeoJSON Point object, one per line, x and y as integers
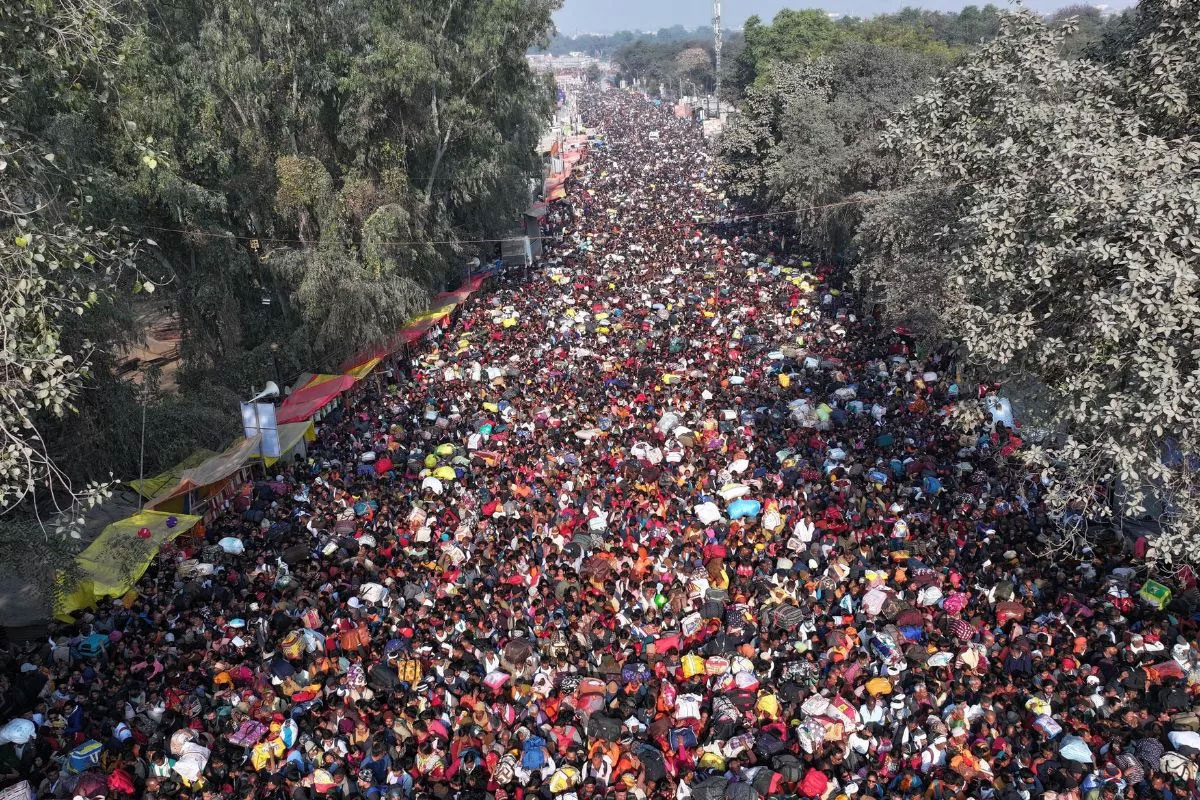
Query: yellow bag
{"type": "Point", "coordinates": [768, 706]}
{"type": "Point", "coordinates": [409, 671]}
{"type": "Point", "coordinates": [693, 665]}
{"type": "Point", "coordinates": [564, 778]}
{"type": "Point", "coordinates": [260, 755]}
{"type": "Point", "coordinates": [293, 645]}
{"type": "Point", "coordinates": [709, 760]}
{"type": "Point", "coordinates": [878, 686]}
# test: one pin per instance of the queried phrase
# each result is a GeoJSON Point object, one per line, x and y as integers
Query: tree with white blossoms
{"type": "Point", "coordinates": [53, 262]}
{"type": "Point", "coordinates": [1060, 231]}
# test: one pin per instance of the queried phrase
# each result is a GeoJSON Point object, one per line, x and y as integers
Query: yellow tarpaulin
{"type": "Point", "coordinates": [112, 564]}
{"type": "Point", "coordinates": [153, 487]}
{"type": "Point", "coordinates": [364, 369]}
{"type": "Point", "coordinates": [317, 380]}
{"type": "Point", "coordinates": [290, 435]}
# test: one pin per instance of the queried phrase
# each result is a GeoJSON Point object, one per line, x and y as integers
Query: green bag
{"type": "Point", "coordinates": [1155, 594]}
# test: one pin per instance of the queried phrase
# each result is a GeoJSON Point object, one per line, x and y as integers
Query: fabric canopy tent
{"type": "Point", "coordinates": [555, 181]}
{"type": "Point", "coordinates": [421, 325]}
{"type": "Point", "coordinates": [441, 307]}
{"type": "Point", "coordinates": [360, 371]}
{"type": "Point", "coordinates": [459, 295]}
{"type": "Point", "coordinates": [152, 487]}
{"type": "Point", "coordinates": [212, 470]}
{"type": "Point", "coordinates": [290, 436]}
{"type": "Point", "coordinates": [113, 563]}
{"type": "Point", "coordinates": [312, 397]}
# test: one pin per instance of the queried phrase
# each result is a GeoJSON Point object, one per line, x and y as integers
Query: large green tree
{"type": "Point", "coordinates": [62, 254]}
{"type": "Point", "coordinates": [1048, 221]}
{"type": "Point", "coordinates": [808, 134]}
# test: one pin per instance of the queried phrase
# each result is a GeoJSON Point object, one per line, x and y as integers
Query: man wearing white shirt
{"type": "Point", "coordinates": [934, 756]}
{"type": "Point", "coordinates": [872, 711]}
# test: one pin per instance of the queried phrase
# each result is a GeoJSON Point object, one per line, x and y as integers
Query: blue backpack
{"type": "Point", "coordinates": [84, 757]}
{"type": "Point", "coordinates": [534, 755]}
{"type": "Point", "coordinates": [93, 646]}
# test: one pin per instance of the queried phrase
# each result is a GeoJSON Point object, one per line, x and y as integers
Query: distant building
{"type": "Point", "coordinates": [571, 66]}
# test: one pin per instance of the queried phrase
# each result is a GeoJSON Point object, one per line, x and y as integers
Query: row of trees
{"type": "Point", "coordinates": [299, 174]}
{"type": "Point", "coordinates": [604, 45]}
{"type": "Point", "coordinates": [675, 64]}
{"type": "Point", "coordinates": [1035, 200]}
{"type": "Point", "coordinates": [750, 56]}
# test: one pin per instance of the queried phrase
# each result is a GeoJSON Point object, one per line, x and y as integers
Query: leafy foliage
{"type": "Point", "coordinates": [57, 257]}
{"type": "Point", "coordinates": [1038, 205]}
{"type": "Point", "coordinates": [651, 63]}
{"type": "Point", "coordinates": [808, 133]}
{"type": "Point", "coordinates": [794, 37]}
{"type": "Point", "coordinates": [1066, 249]}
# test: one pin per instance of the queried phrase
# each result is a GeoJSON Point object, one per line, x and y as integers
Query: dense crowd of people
{"type": "Point", "coordinates": [668, 516]}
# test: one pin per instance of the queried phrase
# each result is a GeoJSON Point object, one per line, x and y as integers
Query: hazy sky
{"type": "Point", "coordinates": [606, 16]}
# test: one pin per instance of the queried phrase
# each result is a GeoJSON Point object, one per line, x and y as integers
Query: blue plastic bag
{"type": "Point", "coordinates": [744, 507]}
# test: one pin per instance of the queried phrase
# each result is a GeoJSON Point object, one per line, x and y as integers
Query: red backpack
{"type": "Point", "coordinates": [120, 782]}
{"type": "Point", "coordinates": [814, 784]}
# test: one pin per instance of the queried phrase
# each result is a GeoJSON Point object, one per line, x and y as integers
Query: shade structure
{"type": "Point", "coordinates": [306, 401]}
{"type": "Point", "coordinates": [113, 563]}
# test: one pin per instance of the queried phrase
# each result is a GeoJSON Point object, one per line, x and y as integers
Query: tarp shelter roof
{"type": "Point", "coordinates": [360, 371]}
{"type": "Point", "coordinates": [23, 599]}
{"type": "Point", "coordinates": [415, 328]}
{"type": "Point", "coordinates": [290, 436]}
{"type": "Point", "coordinates": [312, 397]}
{"type": "Point", "coordinates": [212, 470]}
{"type": "Point", "coordinates": [113, 563]}
{"type": "Point", "coordinates": [154, 486]}
{"type": "Point", "coordinates": [555, 181]}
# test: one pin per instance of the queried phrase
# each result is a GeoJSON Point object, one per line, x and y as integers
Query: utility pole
{"type": "Point", "coordinates": [717, 49]}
